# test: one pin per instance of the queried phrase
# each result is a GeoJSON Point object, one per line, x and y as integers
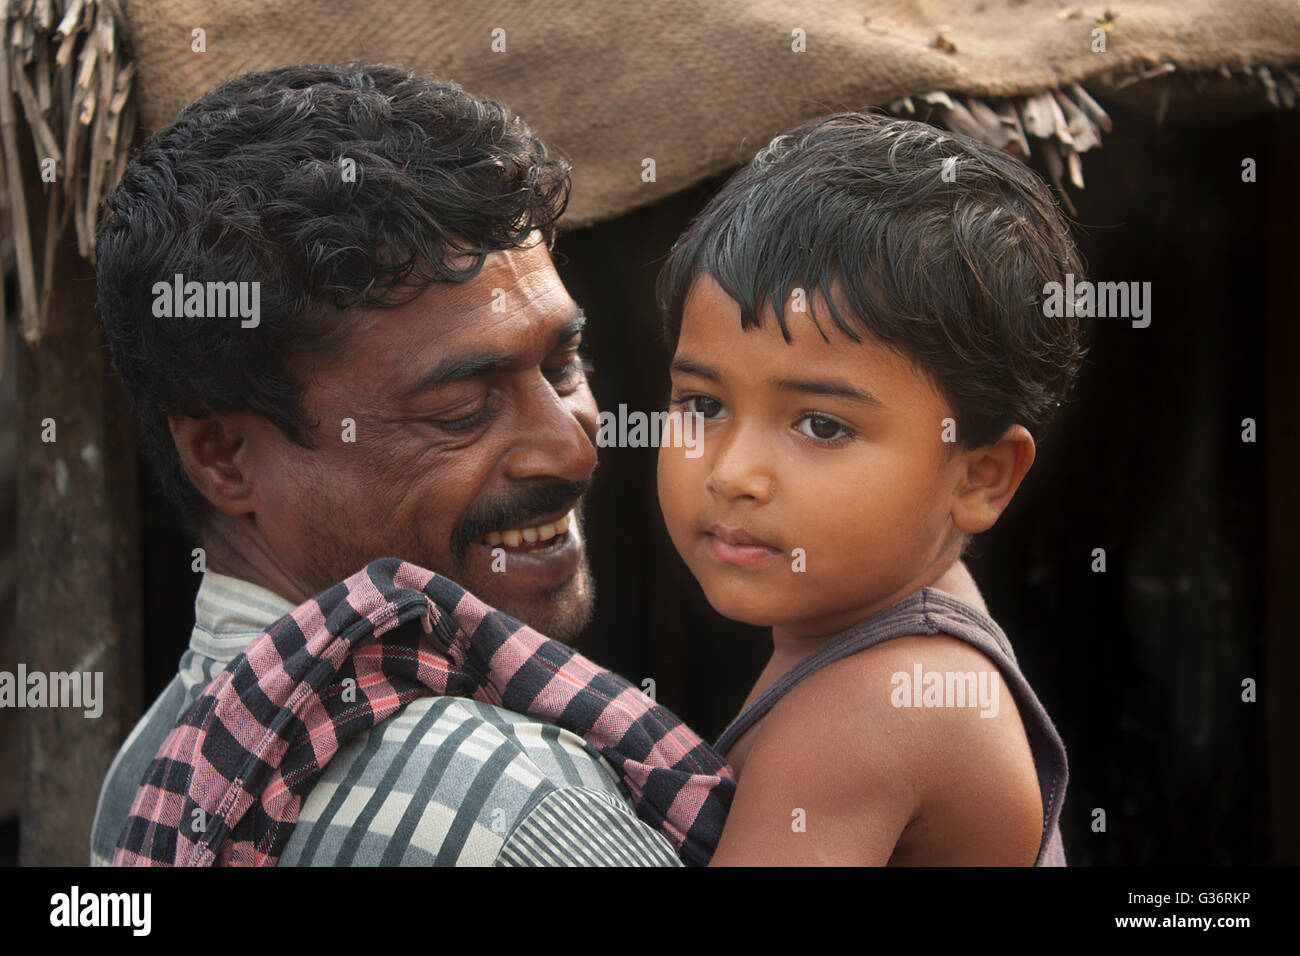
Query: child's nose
{"type": "Point", "coordinates": [742, 467]}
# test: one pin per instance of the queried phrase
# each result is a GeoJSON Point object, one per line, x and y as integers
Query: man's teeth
{"type": "Point", "coordinates": [517, 536]}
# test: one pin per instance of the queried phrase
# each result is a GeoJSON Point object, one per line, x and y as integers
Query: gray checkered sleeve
{"type": "Point", "coordinates": [580, 827]}
{"type": "Point", "coordinates": [455, 782]}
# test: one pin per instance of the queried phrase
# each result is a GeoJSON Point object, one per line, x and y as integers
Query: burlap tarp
{"type": "Point", "coordinates": [695, 85]}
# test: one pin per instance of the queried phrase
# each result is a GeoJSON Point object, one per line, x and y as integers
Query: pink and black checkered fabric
{"type": "Point", "coordinates": [226, 785]}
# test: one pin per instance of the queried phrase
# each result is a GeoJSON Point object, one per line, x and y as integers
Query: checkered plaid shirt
{"type": "Point", "coordinates": [304, 713]}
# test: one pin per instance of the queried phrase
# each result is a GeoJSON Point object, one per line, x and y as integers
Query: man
{"type": "Point", "coordinates": [330, 293]}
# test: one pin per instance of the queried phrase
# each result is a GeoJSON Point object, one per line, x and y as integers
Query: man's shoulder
{"type": "Point", "coordinates": [117, 792]}
{"type": "Point", "coordinates": [458, 736]}
{"type": "Point", "coordinates": [450, 781]}
{"type": "Point", "coordinates": [445, 781]}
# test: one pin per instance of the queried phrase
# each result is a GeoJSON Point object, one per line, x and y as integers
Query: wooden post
{"type": "Point", "coordinates": [78, 563]}
{"type": "Point", "coordinates": [1281, 437]}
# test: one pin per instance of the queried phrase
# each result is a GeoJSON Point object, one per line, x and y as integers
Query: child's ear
{"type": "Point", "coordinates": [989, 477]}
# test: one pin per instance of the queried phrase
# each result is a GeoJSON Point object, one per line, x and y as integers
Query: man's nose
{"type": "Point", "coordinates": [742, 465]}
{"type": "Point", "coordinates": [556, 434]}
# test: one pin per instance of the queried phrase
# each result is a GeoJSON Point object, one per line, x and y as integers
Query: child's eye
{"type": "Point", "coordinates": [823, 429]}
{"type": "Point", "coordinates": [702, 405]}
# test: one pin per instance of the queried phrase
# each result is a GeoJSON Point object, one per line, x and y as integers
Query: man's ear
{"type": "Point", "coordinates": [991, 475]}
{"type": "Point", "coordinates": [214, 452]}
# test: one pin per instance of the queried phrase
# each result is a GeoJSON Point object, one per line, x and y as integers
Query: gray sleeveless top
{"type": "Point", "coordinates": [928, 611]}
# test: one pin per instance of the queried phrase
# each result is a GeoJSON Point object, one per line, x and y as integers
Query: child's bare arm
{"type": "Point", "coordinates": [810, 794]}
{"type": "Point", "coordinates": [839, 775]}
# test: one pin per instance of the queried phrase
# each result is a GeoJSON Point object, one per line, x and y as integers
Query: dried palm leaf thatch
{"type": "Point", "coordinates": [62, 70]}
{"type": "Point", "coordinates": [1064, 123]}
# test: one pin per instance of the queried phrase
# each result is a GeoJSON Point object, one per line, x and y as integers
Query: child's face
{"type": "Point", "coordinates": [863, 488]}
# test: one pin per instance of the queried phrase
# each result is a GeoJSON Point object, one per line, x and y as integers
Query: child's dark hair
{"type": "Point", "coordinates": [946, 266]}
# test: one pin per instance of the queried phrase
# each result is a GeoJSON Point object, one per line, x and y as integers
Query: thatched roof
{"type": "Point", "coordinates": [696, 85]}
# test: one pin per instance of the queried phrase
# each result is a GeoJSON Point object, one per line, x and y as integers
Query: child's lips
{"type": "Point", "coordinates": [734, 546]}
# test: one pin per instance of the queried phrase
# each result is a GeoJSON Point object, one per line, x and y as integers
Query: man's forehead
{"type": "Point", "coordinates": [516, 300]}
{"type": "Point", "coordinates": [515, 289]}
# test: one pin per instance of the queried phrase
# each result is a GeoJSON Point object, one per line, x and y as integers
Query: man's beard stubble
{"type": "Point", "coordinates": [561, 612]}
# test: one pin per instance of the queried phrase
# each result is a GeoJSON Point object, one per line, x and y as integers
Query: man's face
{"type": "Point", "coordinates": [474, 431]}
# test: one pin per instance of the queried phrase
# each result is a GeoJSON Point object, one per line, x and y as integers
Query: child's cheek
{"type": "Point", "coordinates": [675, 491]}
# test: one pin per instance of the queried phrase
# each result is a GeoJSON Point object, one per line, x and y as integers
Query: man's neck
{"type": "Point", "coordinates": [235, 547]}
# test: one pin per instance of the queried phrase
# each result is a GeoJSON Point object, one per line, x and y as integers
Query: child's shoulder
{"type": "Point", "coordinates": [889, 681]}
{"type": "Point", "coordinates": [854, 730]}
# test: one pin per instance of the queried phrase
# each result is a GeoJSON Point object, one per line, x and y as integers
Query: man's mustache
{"type": "Point", "coordinates": [520, 511]}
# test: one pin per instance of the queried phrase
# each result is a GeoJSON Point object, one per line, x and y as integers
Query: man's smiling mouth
{"type": "Point", "coordinates": [533, 537]}
{"type": "Point", "coordinates": [551, 558]}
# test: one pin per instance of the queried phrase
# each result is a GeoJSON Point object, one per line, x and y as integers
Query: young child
{"type": "Point", "coordinates": [857, 316]}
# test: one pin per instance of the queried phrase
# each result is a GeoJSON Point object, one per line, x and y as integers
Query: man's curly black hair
{"type": "Point", "coordinates": [249, 185]}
